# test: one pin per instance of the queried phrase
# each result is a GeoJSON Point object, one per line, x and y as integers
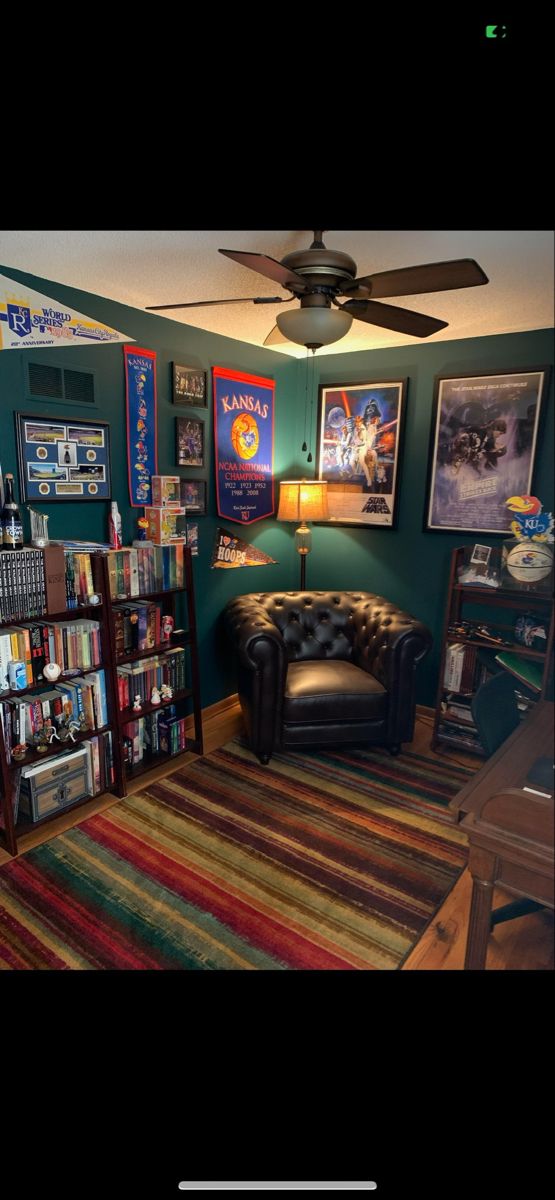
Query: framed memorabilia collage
{"type": "Point", "coordinates": [188, 386]}
{"type": "Point", "coordinates": [63, 459]}
{"type": "Point", "coordinates": [482, 448]}
{"type": "Point", "coordinates": [360, 431]}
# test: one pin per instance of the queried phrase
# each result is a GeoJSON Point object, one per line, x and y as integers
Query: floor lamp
{"type": "Point", "coordinates": [303, 500]}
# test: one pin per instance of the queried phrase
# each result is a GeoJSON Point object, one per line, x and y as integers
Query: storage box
{"type": "Point", "coordinates": [166, 526]}
{"type": "Point", "coordinates": [50, 786]}
{"type": "Point", "coordinates": [165, 491]}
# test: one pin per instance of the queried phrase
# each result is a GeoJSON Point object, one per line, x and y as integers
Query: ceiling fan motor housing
{"type": "Point", "coordinates": [322, 268]}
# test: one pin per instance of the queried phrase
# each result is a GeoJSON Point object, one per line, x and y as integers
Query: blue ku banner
{"type": "Point", "coordinates": [244, 441]}
{"type": "Point", "coordinates": [142, 444]}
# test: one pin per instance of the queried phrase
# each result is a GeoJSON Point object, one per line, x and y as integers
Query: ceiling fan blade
{"type": "Point", "coordinates": [410, 281]}
{"type": "Point", "coordinates": [389, 316]}
{"type": "Point", "coordinates": [274, 337]}
{"type": "Point", "coordinates": [234, 300]}
{"type": "Point", "coordinates": [269, 267]}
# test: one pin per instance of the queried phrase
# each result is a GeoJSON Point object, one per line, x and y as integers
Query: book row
{"type": "Point", "coordinates": [140, 678]}
{"type": "Point", "coordinates": [73, 645]}
{"type": "Point", "coordinates": [134, 571]}
{"type": "Point", "coordinates": [158, 733]}
{"type": "Point", "coordinates": [22, 584]}
{"type": "Point", "coordinates": [83, 702]}
{"type": "Point", "coordinates": [140, 627]}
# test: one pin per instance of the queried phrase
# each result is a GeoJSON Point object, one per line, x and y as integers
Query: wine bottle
{"type": "Point", "coordinates": [12, 525]}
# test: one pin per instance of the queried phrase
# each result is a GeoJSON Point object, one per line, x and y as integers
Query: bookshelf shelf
{"type": "Point", "coordinates": [177, 602]}
{"type": "Point", "coordinates": [128, 714]}
{"type": "Point", "coordinates": [33, 756]}
{"type": "Point", "coordinates": [458, 682]}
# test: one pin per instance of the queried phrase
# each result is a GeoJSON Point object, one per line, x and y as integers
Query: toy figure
{"type": "Point", "coordinates": [166, 692]}
{"type": "Point", "coordinates": [155, 696]}
{"type": "Point", "coordinates": [142, 524]}
{"type": "Point", "coordinates": [167, 626]}
{"type": "Point", "coordinates": [137, 706]}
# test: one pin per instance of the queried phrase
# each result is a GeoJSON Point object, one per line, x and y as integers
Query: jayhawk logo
{"type": "Point", "coordinates": [244, 436]}
{"type": "Point", "coordinates": [529, 521]}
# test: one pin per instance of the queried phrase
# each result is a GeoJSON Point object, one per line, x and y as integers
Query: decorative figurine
{"type": "Point", "coordinates": [137, 706]}
{"type": "Point", "coordinates": [51, 671]}
{"type": "Point", "coordinates": [155, 696]}
{"type": "Point", "coordinates": [166, 692]}
{"type": "Point", "coordinates": [93, 598]}
{"type": "Point", "coordinates": [76, 726]}
{"type": "Point", "coordinates": [20, 751]}
{"type": "Point", "coordinates": [141, 539]}
{"type": "Point", "coordinates": [167, 627]}
{"type": "Point", "coordinates": [45, 736]}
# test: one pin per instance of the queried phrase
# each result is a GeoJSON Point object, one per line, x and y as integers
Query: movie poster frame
{"type": "Point", "coordinates": [371, 522]}
{"type": "Point", "coordinates": [477, 526]}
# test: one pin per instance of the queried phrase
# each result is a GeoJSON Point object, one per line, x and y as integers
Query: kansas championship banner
{"type": "Point", "coordinates": [230, 551]}
{"type": "Point", "coordinates": [142, 444]}
{"type": "Point", "coordinates": [28, 320]}
{"type": "Point", "coordinates": [244, 442]}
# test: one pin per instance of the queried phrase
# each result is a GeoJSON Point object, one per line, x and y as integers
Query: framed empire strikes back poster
{"type": "Point", "coordinates": [360, 429]}
{"type": "Point", "coordinates": [482, 448]}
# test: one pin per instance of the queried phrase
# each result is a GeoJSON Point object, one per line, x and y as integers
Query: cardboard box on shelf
{"type": "Point", "coordinates": [165, 491]}
{"type": "Point", "coordinates": [166, 526]}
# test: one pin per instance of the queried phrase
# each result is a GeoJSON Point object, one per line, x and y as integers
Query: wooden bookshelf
{"type": "Point", "coordinates": [178, 602]}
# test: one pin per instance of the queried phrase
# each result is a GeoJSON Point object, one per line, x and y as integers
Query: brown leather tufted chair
{"type": "Point", "coordinates": [333, 667]}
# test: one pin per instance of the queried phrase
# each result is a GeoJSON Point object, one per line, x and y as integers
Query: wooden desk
{"type": "Point", "coordinates": [510, 831]}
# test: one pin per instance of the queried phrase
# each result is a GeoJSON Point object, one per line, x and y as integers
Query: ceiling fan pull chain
{"type": "Point", "coordinates": [304, 446]}
{"type": "Point", "coordinates": [309, 457]}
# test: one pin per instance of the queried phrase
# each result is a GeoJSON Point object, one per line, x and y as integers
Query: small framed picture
{"type": "Point", "coordinates": [188, 386]}
{"type": "Point", "coordinates": [480, 554]}
{"type": "Point", "coordinates": [189, 438]}
{"type": "Point", "coordinates": [193, 495]}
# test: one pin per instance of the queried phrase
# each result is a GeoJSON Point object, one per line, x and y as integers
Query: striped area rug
{"type": "Point", "coordinates": [321, 861]}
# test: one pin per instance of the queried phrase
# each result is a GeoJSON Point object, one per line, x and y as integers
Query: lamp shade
{"type": "Point", "coordinates": [314, 326]}
{"type": "Point", "coordinates": [303, 500]}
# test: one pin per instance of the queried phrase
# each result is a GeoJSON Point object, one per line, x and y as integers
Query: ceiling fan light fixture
{"type": "Point", "coordinates": [314, 327]}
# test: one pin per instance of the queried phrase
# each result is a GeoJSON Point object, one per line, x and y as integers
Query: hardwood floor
{"type": "Point", "coordinates": [524, 944]}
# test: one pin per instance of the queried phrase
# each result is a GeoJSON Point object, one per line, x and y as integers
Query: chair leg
{"type": "Point", "coordinates": [394, 749]}
{"type": "Point", "coordinates": [264, 759]}
{"type": "Point", "coordinates": [517, 908]}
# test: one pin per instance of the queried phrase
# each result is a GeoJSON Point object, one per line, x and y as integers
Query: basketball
{"type": "Point", "coordinates": [529, 562]}
{"type": "Point", "coordinates": [244, 436]}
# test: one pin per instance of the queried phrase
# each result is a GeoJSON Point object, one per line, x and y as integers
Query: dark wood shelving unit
{"type": "Point", "coordinates": [519, 601]}
{"type": "Point", "coordinates": [10, 831]}
{"type": "Point", "coordinates": [178, 603]}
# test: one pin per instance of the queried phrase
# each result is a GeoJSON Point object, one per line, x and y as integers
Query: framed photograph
{"type": "Point", "coordinates": [63, 460]}
{"type": "Point", "coordinates": [193, 495]}
{"type": "Point", "coordinates": [188, 386]}
{"type": "Point", "coordinates": [189, 437]}
{"type": "Point", "coordinates": [360, 432]}
{"type": "Point", "coordinates": [482, 448]}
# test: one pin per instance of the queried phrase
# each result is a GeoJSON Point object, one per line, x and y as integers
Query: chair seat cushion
{"type": "Point", "coordinates": [332, 690]}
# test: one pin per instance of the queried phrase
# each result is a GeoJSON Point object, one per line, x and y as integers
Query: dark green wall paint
{"type": "Point", "coordinates": [406, 565]}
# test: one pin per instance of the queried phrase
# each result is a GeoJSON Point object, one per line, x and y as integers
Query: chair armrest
{"type": "Point", "coordinates": [262, 669]}
{"type": "Point", "coordinates": [388, 643]}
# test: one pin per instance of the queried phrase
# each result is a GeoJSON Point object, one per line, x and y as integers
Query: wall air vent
{"type": "Point", "coordinates": [47, 381]}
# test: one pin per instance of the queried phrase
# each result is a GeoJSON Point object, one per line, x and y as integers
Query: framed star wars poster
{"type": "Point", "coordinates": [482, 448]}
{"type": "Point", "coordinates": [360, 432]}
{"type": "Point", "coordinates": [244, 443]}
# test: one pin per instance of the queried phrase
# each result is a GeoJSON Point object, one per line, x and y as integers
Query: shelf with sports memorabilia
{"type": "Point", "coordinates": [480, 639]}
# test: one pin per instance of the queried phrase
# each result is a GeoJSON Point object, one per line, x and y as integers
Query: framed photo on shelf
{"type": "Point", "coordinates": [482, 448]}
{"type": "Point", "coordinates": [66, 459]}
{"type": "Point", "coordinates": [188, 386]}
{"type": "Point", "coordinates": [193, 495]}
{"type": "Point", "coordinates": [189, 437]}
{"type": "Point", "coordinates": [360, 431]}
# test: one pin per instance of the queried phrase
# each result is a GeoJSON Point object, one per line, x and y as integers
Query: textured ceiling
{"type": "Point", "coordinates": [142, 267]}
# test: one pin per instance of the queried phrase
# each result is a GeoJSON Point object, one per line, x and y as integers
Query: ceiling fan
{"type": "Point", "coordinates": [317, 276]}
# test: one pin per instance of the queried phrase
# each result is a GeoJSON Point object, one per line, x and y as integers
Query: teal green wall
{"type": "Point", "coordinates": [406, 565]}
